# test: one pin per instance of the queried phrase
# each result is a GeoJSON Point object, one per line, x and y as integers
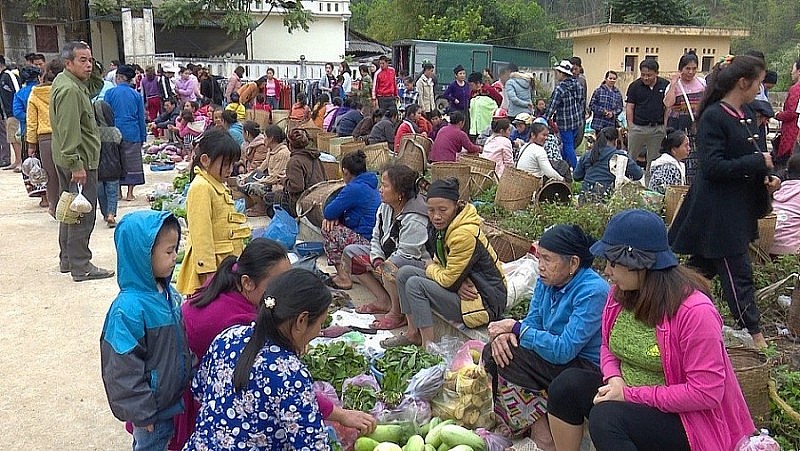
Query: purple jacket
{"type": "Point", "coordinates": [150, 87]}
{"type": "Point", "coordinates": [701, 385]}
{"type": "Point", "coordinates": [187, 89]}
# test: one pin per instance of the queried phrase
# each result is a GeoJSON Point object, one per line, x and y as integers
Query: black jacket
{"type": "Point", "coordinates": [111, 165]}
{"type": "Point", "coordinates": [167, 118]}
{"type": "Point", "coordinates": [210, 88]}
{"type": "Point", "coordinates": [7, 91]}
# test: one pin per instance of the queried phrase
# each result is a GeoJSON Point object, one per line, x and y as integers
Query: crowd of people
{"type": "Point", "coordinates": [222, 369]}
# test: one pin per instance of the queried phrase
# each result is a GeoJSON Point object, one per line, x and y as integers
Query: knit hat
{"type": "Point", "coordinates": [636, 239]}
{"type": "Point", "coordinates": [445, 189]}
{"type": "Point", "coordinates": [565, 67]}
{"type": "Point", "coordinates": [458, 69]}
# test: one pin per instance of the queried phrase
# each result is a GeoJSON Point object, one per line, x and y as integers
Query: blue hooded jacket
{"type": "Point", "coordinates": [145, 358]}
{"type": "Point", "coordinates": [356, 204]}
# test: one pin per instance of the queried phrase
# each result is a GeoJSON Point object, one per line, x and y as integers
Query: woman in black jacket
{"type": "Point", "coordinates": [111, 168]}
{"type": "Point", "coordinates": [719, 217]}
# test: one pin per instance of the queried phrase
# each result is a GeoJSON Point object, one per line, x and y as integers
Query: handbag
{"type": "Point", "coordinates": [64, 214]}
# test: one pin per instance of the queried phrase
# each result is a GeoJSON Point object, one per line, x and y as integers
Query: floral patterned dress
{"type": "Point", "coordinates": [277, 411]}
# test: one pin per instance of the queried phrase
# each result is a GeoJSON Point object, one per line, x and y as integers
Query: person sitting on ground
{"type": "Point", "coordinates": [669, 169]}
{"type": "Point", "coordinates": [666, 381]}
{"type": "Point", "coordinates": [451, 140]}
{"type": "Point", "coordinates": [533, 158]}
{"type": "Point", "coordinates": [264, 180]}
{"type": "Point", "coordinates": [786, 205]}
{"type": "Point", "coordinates": [300, 111]}
{"type": "Point", "coordinates": [236, 107]}
{"type": "Point", "coordinates": [498, 147]}
{"type": "Point", "coordinates": [497, 114]}
{"type": "Point", "coordinates": [437, 123]}
{"type": "Point", "coordinates": [318, 113]}
{"type": "Point", "coordinates": [595, 167]}
{"type": "Point", "coordinates": [165, 119]}
{"type": "Point", "coordinates": [384, 131]}
{"type": "Point", "coordinates": [347, 105]}
{"type": "Point", "coordinates": [398, 239]}
{"type": "Point", "coordinates": [259, 365]}
{"type": "Point", "coordinates": [188, 128]}
{"type": "Point", "coordinates": [232, 125]}
{"type": "Point", "coordinates": [255, 148]}
{"type": "Point", "coordinates": [465, 282]}
{"type": "Point", "coordinates": [522, 129]}
{"type": "Point", "coordinates": [363, 128]}
{"type": "Point", "coordinates": [408, 125]}
{"type": "Point", "coordinates": [303, 170]}
{"type": "Point", "coordinates": [351, 119]}
{"type": "Point", "coordinates": [330, 113]}
{"type": "Point", "coordinates": [561, 330]}
{"type": "Point", "coordinates": [350, 216]}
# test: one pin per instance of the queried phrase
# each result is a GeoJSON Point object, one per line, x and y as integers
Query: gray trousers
{"type": "Point", "coordinates": [5, 147]}
{"type": "Point", "coordinates": [640, 136]}
{"type": "Point", "coordinates": [419, 295]}
{"type": "Point", "coordinates": [73, 239]}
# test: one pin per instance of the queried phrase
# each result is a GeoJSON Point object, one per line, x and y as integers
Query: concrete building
{"type": "Point", "coordinates": [621, 47]}
{"type": "Point", "coordinates": [44, 35]}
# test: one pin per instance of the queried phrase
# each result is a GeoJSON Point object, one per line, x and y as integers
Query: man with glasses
{"type": "Point", "coordinates": [76, 153]}
{"type": "Point", "coordinates": [644, 111]}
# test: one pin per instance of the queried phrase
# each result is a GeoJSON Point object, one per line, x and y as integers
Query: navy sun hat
{"type": "Point", "coordinates": [636, 239]}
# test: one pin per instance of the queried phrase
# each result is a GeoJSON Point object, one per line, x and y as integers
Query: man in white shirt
{"type": "Point", "coordinates": [425, 85]}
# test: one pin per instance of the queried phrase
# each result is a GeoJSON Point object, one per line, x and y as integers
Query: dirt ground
{"type": "Point", "coordinates": [52, 392]}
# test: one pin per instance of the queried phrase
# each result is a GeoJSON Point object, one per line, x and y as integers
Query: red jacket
{"type": "Point", "coordinates": [788, 118]}
{"type": "Point", "coordinates": [385, 84]}
{"type": "Point", "coordinates": [487, 89]}
{"type": "Point", "coordinates": [277, 87]}
{"type": "Point", "coordinates": [404, 129]}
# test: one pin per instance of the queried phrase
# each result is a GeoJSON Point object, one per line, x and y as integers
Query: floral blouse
{"type": "Point", "coordinates": [277, 411]}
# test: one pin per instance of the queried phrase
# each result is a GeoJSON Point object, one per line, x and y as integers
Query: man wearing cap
{"type": "Point", "coordinates": [567, 105]}
{"type": "Point", "coordinates": [384, 89]}
{"type": "Point", "coordinates": [644, 111]}
{"type": "Point", "coordinates": [129, 118]}
{"type": "Point", "coordinates": [76, 154]}
{"type": "Point", "coordinates": [166, 83]}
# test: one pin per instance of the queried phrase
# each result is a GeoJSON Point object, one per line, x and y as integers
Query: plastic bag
{"type": "Point", "coordinates": [521, 277]}
{"type": "Point", "coordinates": [466, 397]}
{"type": "Point", "coordinates": [326, 389]}
{"type": "Point", "coordinates": [282, 228]}
{"type": "Point", "coordinates": [427, 383]}
{"type": "Point", "coordinates": [80, 204]}
{"type": "Point", "coordinates": [411, 410]}
{"type": "Point", "coordinates": [494, 442]}
{"type": "Point", "coordinates": [467, 355]}
{"type": "Point", "coordinates": [761, 442]}
{"type": "Point", "coordinates": [447, 347]}
{"type": "Point", "coordinates": [364, 396]}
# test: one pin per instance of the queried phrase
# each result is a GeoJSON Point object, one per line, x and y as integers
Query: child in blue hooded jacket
{"type": "Point", "coordinates": [145, 358]}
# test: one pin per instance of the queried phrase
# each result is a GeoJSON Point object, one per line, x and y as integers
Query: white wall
{"type": "Point", "coordinates": [104, 42]}
{"type": "Point", "coordinates": [324, 41]}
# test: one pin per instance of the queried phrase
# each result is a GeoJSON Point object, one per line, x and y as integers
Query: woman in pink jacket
{"type": "Point", "coordinates": [667, 382]}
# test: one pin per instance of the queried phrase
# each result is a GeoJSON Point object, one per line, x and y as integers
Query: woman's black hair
{"type": "Point", "coordinates": [170, 224]}
{"type": "Point", "coordinates": [607, 134]}
{"type": "Point", "coordinates": [403, 179]}
{"type": "Point", "coordinates": [363, 68]}
{"type": "Point", "coordinates": [256, 262]}
{"type": "Point", "coordinates": [793, 167]}
{"type": "Point", "coordinates": [187, 116]}
{"type": "Point", "coordinates": [673, 139]}
{"type": "Point", "coordinates": [301, 99]}
{"type": "Point", "coordinates": [456, 117]}
{"type": "Point", "coordinates": [194, 104]}
{"type": "Point", "coordinates": [498, 125]}
{"type": "Point", "coordinates": [411, 110]}
{"type": "Point", "coordinates": [234, 97]}
{"type": "Point", "coordinates": [275, 133]}
{"type": "Point", "coordinates": [724, 76]}
{"type": "Point", "coordinates": [355, 162]}
{"type": "Point", "coordinates": [606, 76]}
{"type": "Point", "coordinates": [689, 57]}
{"type": "Point", "coordinates": [337, 101]}
{"type": "Point", "coordinates": [377, 114]}
{"type": "Point", "coordinates": [252, 128]}
{"type": "Point", "coordinates": [390, 113]}
{"type": "Point", "coordinates": [345, 66]}
{"type": "Point", "coordinates": [293, 293]}
{"type": "Point", "coordinates": [229, 117]}
{"type": "Point", "coordinates": [216, 143]}
{"type": "Point", "coordinates": [537, 128]}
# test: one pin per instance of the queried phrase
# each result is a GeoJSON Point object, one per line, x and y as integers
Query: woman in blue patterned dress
{"type": "Point", "coordinates": [254, 391]}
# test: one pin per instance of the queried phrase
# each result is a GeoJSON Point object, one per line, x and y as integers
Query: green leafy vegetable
{"type": "Point", "coordinates": [334, 363]}
{"type": "Point", "coordinates": [355, 397]}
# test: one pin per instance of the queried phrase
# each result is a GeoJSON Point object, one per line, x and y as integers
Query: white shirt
{"type": "Point", "coordinates": [534, 161]}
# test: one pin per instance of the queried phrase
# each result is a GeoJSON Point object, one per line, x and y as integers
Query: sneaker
{"type": "Point", "coordinates": [94, 274]}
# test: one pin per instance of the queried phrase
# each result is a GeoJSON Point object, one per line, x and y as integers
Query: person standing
{"type": "Point", "coordinates": [427, 98]}
{"type": "Point", "coordinates": [9, 85]}
{"type": "Point", "coordinates": [384, 88]}
{"type": "Point", "coordinates": [234, 82]}
{"type": "Point", "coordinates": [76, 154]}
{"type": "Point", "coordinates": [151, 93]}
{"type": "Point", "coordinates": [606, 103]}
{"type": "Point", "coordinates": [567, 105]}
{"type": "Point", "coordinates": [5, 147]}
{"type": "Point", "coordinates": [789, 120]}
{"type": "Point", "coordinates": [129, 118]}
{"type": "Point", "coordinates": [644, 111]}
{"type": "Point", "coordinates": [272, 89]}
{"type": "Point", "coordinates": [682, 98]}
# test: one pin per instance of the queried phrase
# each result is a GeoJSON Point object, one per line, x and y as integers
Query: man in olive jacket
{"type": "Point", "coordinates": [76, 154]}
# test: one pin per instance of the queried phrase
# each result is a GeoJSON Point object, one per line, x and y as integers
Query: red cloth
{"type": "Point", "coordinates": [385, 83]}
{"type": "Point", "coordinates": [404, 129]}
{"type": "Point", "coordinates": [153, 108]}
{"type": "Point", "coordinates": [424, 125]}
{"type": "Point", "coordinates": [488, 90]}
{"type": "Point", "coordinates": [449, 142]}
{"type": "Point", "coordinates": [788, 118]}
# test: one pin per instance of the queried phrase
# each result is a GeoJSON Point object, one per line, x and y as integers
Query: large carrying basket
{"type": "Point", "coordinates": [335, 145]}
{"type": "Point", "coordinates": [516, 188]}
{"type": "Point", "coordinates": [331, 170]}
{"type": "Point", "coordinates": [460, 171]}
{"type": "Point", "coordinates": [482, 173]}
{"type": "Point", "coordinates": [378, 156]}
{"type": "Point", "coordinates": [752, 372]}
{"type": "Point", "coordinates": [351, 146]}
{"type": "Point", "coordinates": [413, 152]}
{"type": "Point", "coordinates": [314, 199]}
{"type": "Point", "coordinates": [673, 199]}
{"type": "Point", "coordinates": [507, 246]}
{"type": "Point", "coordinates": [324, 141]}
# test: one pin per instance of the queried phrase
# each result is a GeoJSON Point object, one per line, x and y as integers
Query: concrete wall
{"type": "Point", "coordinates": [325, 40]}
{"type": "Point", "coordinates": [105, 45]}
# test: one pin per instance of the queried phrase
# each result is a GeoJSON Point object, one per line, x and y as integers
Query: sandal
{"type": "Point", "coordinates": [371, 309]}
{"type": "Point", "coordinates": [389, 322]}
{"type": "Point", "coordinates": [397, 341]}
{"type": "Point", "coordinates": [336, 285]}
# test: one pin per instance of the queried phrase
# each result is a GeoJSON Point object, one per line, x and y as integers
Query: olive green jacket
{"type": "Point", "coordinates": [76, 139]}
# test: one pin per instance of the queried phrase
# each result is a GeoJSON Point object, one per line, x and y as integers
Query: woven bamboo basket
{"type": "Point", "coordinates": [554, 192]}
{"type": "Point", "coordinates": [280, 117]}
{"type": "Point", "coordinates": [673, 199]}
{"type": "Point", "coordinates": [335, 145]}
{"type": "Point", "coordinates": [460, 171]}
{"type": "Point", "coordinates": [508, 246]}
{"type": "Point", "coordinates": [260, 117]}
{"type": "Point", "coordinates": [482, 173]}
{"type": "Point", "coordinates": [312, 131]}
{"type": "Point", "coordinates": [752, 372]}
{"type": "Point", "coordinates": [324, 141]}
{"type": "Point", "coordinates": [352, 146]}
{"type": "Point", "coordinates": [759, 250]}
{"type": "Point", "coordinates": [516, 188]}
{"type": "Point", "coordinates": [378, 156]}
{"type": "Point", "coordinates": [314, 199]}
{"type": "Point", "coordinates": [794, 308]}
{"type": "Point", "coordinates": [331, 170]}
{"type": "Point", "coordinates": [414, 151]}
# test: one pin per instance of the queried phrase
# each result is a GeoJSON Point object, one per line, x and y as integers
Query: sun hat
{"type": "Point", "coordinates": [565, 67]}
{"type": "Point", "coordinates": [168, 68]}
{"type": "Point", "coordinates": [499, 113]}
{"type": "Point", "coordinates": [636, 239]}
{"type": "Point", "coordinates": [525, 118]}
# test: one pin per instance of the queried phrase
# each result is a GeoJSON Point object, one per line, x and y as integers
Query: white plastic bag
{"type": "Point", "coordinates": [521, 277]}
{"type": "Point", "coordinates": [81, 203]}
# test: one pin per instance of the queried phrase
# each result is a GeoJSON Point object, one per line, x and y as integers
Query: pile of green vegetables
{"type": "Point", "coordinates": [397, 366]}
{"type": "Point", "coordinates": [334, 363]}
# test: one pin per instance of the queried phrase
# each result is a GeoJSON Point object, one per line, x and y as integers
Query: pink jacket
{"type": "Point", "coordinates": [701, 385]}
{"type": "Point", "coordinates": [786, 205]}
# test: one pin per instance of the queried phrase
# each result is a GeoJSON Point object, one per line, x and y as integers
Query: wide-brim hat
{"type": "Point", "coordinates": [565, 67]}
{"type": "Point", "coordinates": [524, 118]}
{"type": "Point", "coordinates": [636, 239]}
{"type": "Point", "coordinates": [169, 68]}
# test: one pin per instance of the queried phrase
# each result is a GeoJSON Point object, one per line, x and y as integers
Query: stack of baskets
{"type": "Point", "coordinates": [335, 145]}
{"type": "Point", "coordinates": [460, 171]}
{"type": "Point", "coordinates": [324, 141]}
{"type": "Point", "coordinates": [482, 174]}
{"type": "Point", "coordinates": [351, 146]}
{"type": "Point", "coordinates": [516, 188]}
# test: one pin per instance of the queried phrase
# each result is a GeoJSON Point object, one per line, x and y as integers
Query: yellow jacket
{"type": "Point", "coordinates": [237, 108]}
{"type": "Point", "coordinates": [216, 230]}
{"type": "Point", "coordinates": [38, 114]}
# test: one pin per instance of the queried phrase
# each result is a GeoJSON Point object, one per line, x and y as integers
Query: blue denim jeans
{"type": "Point", "coordinates": [568, 147]}
{"type": "Point", "coordinates": [107, 197]}
{"type": "Point", "coordinates": [158, 440]}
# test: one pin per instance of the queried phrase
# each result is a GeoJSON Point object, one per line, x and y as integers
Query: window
{"type": "Point", "coordinates": [630, 63]}
{"type": "Point", "coordinates": [46, 38]}
{"type": "Point", "coordinates": [651, 57]}
{"type": "Point", "coordinates": [707, 64]}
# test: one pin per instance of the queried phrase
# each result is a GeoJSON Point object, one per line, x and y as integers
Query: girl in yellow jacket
{"type": "Point", "coordinates": [216, 230]}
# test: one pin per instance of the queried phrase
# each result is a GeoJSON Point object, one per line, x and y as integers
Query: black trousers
{"type": "Point", "coordinates": [613, 425]}
{"type": "Point", "coordinates": [736, 277]}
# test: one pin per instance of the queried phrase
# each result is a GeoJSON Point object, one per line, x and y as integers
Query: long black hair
{"type": "Point", "coordinates": [606, 134]}
{"type": "Point", "coordinates": [256, 262]}
{"type": "Point", "coordinates": [290, 295]}
{"type": "Point", "coordinates": [216, 143]}
{"type": "Point", "coordinates": [724, 76]}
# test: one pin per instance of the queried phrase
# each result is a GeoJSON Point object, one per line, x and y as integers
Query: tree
{"type": "Point", "coordinates": [234, 16]}
{"type": "Point", "coordinates": [467, 27]}
{"type": "Point", "coordinates": [663, 12]}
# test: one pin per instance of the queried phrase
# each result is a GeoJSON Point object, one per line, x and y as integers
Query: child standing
{"type": "Point", "coordinates": [110, 170]}
{"type": "Point", "coordinates": [146, 364]}
{"type": "Point", "coordinates": [216, 230]}
{"type": "Point", "coordinates": [236, 107]}
{"type": "Point", "coordinates": [410, 94]}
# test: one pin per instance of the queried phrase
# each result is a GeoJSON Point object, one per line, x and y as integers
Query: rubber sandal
{"type": "Point", "coordinates": [371, 309]}
{"type": "Point", "coordinates": [396, 341]}
{"type": "Point", "coordinates": [389, 322]}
